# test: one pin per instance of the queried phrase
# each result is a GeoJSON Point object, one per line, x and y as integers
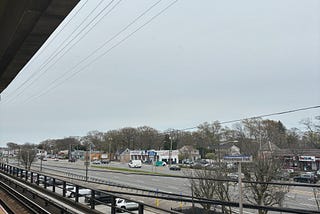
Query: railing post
{"type": "Point", "coordinates": [31, 179]}
{"type": "Point", "coordinates": [64, 189]}
{"type": "Point", "coordinates": [93, 199]}
{"type": "Point", "coordinates": [26, 175]}
{"type": "Point", "coordinates": [53, 184]}
{"type": "Point", "coordinates": [38, 179]}
{"type": "Point", "coordinates": [77, 194]}
{"type": "Point", "coordinates": [141, 208]}
{"type": "Point", "coordinates": [113, 205]}
{"type": "Point", "coordinates": [45, 182]}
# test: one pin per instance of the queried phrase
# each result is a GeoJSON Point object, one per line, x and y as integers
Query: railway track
{"type": "Point", "coordinates": [15, 202]}
{"type": "Point", "coordinates": [18, 197]}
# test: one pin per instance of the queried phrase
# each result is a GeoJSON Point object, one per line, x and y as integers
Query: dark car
{"type": "Point", "coordinates": [72, 160]}
{"type": "Point", "coordinates": [105, 161]}
{"type": "Point", "coordinates": [56, 182]}
{"type": "Point", "coordinates": [100, 198]}
{"type": "Point", "coordinates": [305, 178]}
{"type": "Point", "coordinates": [175, 167]}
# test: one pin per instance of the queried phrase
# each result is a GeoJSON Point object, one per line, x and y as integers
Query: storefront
{"type": "Point", "coordinates": [151, 156]}
{"type": "Point", "coordinates": [307, 163]}
{"type": "Point", "coordinates": [300, 159]}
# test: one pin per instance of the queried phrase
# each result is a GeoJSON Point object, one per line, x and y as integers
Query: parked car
{"type": "Point", "coordinates": [160, 163]}
{"type": "Point", "coordinates": [313, 174]}
{"type": "Point", "coordinates": [96, 162]}
{"type": "Point", "coordinates": [100, 198]}
{"type": "Point", "coordinates": [305, 178]}
{"type": "Point", "coordinates": [187, 162]}
{"type": "Point", "coordinates": [126, 205]}
{"type": "Point", "coordinates": [71, 192]}
{"type": "Point", "coordinates": [105, 161]}
{"type": "Point", "coordinates": [72, 160]}
{"type": "Point", "coordinates": [175, 167]}
{"type": "Point", "coordinates": [49, 180]}
{"type": "Point", "coordinates": [234, 175]}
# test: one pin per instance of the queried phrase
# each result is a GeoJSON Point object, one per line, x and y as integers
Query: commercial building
{"type": "Point", "coordinates": [150, 156]}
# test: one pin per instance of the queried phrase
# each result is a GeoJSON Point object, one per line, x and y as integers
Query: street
{"type": "Point", "coordinates": [298, 197]}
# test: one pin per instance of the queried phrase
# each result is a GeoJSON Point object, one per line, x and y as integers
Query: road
{"type": "Point", "coordinates": [155, 183]}
{"type": "Point", "coordinates": [298, 197]}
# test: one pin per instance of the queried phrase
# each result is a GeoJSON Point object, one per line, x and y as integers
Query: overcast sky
{"type": "Point", "coordinates": [197, 61]}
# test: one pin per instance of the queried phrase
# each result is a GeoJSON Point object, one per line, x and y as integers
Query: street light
{"type": "Point", "coordinates": [170, 151]}
{"type": "Point", "coordinates": [110, 141]}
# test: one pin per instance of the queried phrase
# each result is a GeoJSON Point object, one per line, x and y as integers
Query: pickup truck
{"type": "Point", "coordinates": [126, 205]}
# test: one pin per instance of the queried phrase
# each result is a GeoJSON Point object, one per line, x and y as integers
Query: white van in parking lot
{"type": "Point", "coordinates": [135, 164]}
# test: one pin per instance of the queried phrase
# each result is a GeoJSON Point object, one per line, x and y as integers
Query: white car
{"type": "Point", "coordinates": [71, 192]}
{"type": "Point", "coordinates": [126, 205]}
{"type": "Point", "coordinates": [96, 162]}
{"type": "Point", "coordinates": [135, 164]}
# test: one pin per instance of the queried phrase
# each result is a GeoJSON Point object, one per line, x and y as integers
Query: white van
{"type": "Point", "coordinates": [135, 164]}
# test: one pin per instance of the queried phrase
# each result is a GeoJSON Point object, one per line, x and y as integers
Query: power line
{"type": "Point", "coordinates": [260, 116]}
{"type": "Point", "coordinates": [68, 42]}
{"type": "Point", "coordinates": [104, 53]}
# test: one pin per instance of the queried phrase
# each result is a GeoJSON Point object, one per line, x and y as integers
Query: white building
{"type": "Point", "coordinates": [155, 155]}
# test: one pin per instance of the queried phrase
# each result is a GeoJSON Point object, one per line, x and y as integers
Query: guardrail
{"type": "Point", "coordinates": [44, 182]}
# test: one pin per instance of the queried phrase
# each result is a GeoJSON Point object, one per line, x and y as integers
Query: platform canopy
{"type": "Point", "coordinates": [24, 27]}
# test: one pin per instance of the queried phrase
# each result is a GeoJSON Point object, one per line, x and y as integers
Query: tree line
{"type": "Point", "coordinates": [248, 135]}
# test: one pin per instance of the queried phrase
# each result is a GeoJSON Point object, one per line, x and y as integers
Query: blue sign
{"type": "Point", "coordinates": [151, 153]}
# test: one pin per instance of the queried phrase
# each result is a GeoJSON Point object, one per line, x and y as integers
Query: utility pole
{"type": "Point", "coordinates": [240, 188]}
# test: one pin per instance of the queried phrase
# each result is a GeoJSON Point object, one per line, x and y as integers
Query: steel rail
{"type": "Point", "coordinates": [31, 206]}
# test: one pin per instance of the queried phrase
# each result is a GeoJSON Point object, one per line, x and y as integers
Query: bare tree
{"type": "Point", "coordinates": [27, 154]}
{"type": "Point", "coordinates": [261, 192]}
{"type": "Point", "coordinates": [208, 184]}
{"type": "Point", "coordinates": [312, 134]}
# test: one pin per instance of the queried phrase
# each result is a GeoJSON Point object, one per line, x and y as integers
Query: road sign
{"type": "Point", "coordinates": [238, 158]}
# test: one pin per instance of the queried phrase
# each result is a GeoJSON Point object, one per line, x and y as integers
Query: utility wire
{"type": "Point", "coordinates": [68, 42]}
{"type": "Point", "coordinates": [48, 43]}
{"type": "Point", "coordinates": [103, 54]}
{"type": "Point", "coordinates": [256, 117]}
{"type": "Point", "coordinates": [102, 46]}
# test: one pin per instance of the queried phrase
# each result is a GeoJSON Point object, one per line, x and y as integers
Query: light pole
{"type": "Point", "coordinates": [86, 163]}
{"type": "Point", "coordinates": [90, 147]}
{"type": "Point", "coordinates": [170, 151]}
{"type": "Point", "coordinates": [110, 141]}
{"type": "Point", "coordinates": [41, 159]}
